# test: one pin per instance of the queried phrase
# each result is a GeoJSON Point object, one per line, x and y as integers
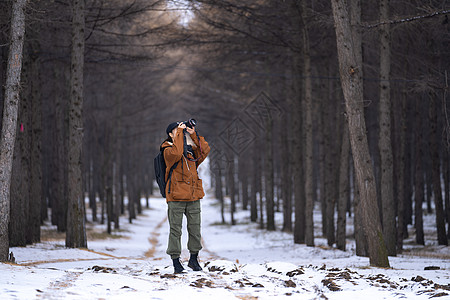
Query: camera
{"type": "Point", "coordinates": [190, 123]}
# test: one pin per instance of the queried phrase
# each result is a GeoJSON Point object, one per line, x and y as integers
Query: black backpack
{"type": "Point", "coordinates": [160, 171]}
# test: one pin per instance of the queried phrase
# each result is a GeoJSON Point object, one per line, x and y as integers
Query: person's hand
{"type": "Point", "coordinates": [190, 130]}
{"type": "Point", "coordinates": [182, 126]}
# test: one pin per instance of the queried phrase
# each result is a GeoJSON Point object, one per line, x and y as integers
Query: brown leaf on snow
{"type": "Point", "coordinates": [201, 282]}
{"type": "Point", "coordinates": [442, 287]}
{"type": "Point", "coordinates": [439, 295]}
{"type": "Point", "coordinates": [290, 283]}
{"type": "Point", "coordinates": [295, 272]}
{"type": "Point", "coordinates": [418, 278]}
{"type": "Point", "coordinates": [331, 285]}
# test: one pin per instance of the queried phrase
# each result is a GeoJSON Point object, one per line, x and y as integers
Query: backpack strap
{"type": "Point", "coordinates": [169, 178]}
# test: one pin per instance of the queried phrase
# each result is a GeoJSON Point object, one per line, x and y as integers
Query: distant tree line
{"type": "Point", "coordinates": [337, 104]}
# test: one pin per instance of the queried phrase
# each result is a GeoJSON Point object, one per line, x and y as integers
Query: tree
{"type": "Point", "coordinates": [344, 190]}
{"type": "Point", "coordinates": [352, 88]}
{"type": "Point", "coordinates": [438, 202]}
{"type": "Point", "coordinates": [308, 127]}
{"type": "Point", "coordinates": [76, 228]}
{"type": "Point", "coordinates": [419, 180]}
{"type": "Point", "coordinates": [384, 141]}
{"type": "Point", "coordinates": [9, 120]}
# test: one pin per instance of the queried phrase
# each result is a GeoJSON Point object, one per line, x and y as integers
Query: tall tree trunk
{"type": "Point", "coordinates": [419, 181]}
{"type": "Point", "coordinates": [308, 128]}
{"type": "Point", "coordinates": [436, 172]}
{"type": "Point", "coordinates": [91, 189]}
{"type": "Point", "coordinates": [344, 191]}
{"type": "Point", "coordinates": [254, 185]}
{"type": "Point", "coordinates": [360, 238]}
{"type": "Point", "coordinates": [9, 119]}
{"type": "Point", "coordinates": [36, 195]}
{"type": "Point", "coordinates": [409, 163]}
{"type": "Point", "coordinates": [20, 185]}
{"type": "Point", "coordinates": [429, 185]}
{"type": "Point", "coordinates": [297, 166]}
{"type": "Point", "coordinates": [244, 174]}
{"type": "Point", "coordinates": [269, 176]}
{"type": "Point", "coordinates": [117, 167]}
{"type": "Point", "coordinates": [232, 191]}
{"type": "Point", "coordinates": [350, 72]}
{"type": "Point", "coordinates": [286, 185]}
{"type": "Point", "coordinates": [219, 191]}
{"type": "Point", "coordinates": [76, 227]}
{"type": "Point", "coordinates": [384, 141]}
{"type": "Point", "coordinates": [399, 171]}
{"type": "Point", "coordinates": [446, 162]}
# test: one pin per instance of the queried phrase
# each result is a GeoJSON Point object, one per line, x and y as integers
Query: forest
{"type": "Point", "coordinates": [340, 106]}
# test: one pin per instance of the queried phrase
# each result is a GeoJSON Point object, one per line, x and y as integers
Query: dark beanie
{"type": "Point", "coordinates": [171, 127]}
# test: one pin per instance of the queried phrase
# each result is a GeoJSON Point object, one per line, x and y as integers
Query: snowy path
{"type": "Point", "coordinates": [240, 262]}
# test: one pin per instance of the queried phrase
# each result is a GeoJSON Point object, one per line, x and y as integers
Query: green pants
{"type": "Point", "coordinates": [175, 212]}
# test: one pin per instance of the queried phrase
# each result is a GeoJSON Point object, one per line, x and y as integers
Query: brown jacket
{"type": "Point", "coordinates": [184, 185]}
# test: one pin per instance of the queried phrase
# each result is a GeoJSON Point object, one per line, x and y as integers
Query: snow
{"type": "Point", "coordinates": [238, 261]}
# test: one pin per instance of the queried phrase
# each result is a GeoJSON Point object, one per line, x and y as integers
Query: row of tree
{"type": "Point", "coordinates": [391, 64]}
{"type": "Point", "coordinates": [340, 104]}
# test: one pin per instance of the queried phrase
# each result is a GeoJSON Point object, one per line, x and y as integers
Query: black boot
{"type": "Point", "coordinates": [177, 266]}
{"type": "Point", "coordinates": [193, 263]}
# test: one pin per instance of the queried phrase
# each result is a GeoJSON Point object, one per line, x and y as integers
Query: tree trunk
{"type": "Point", "coordinates": [286, 186]}
{"type": "Point", "coordinates": [308, 128]}
{"type": "Point", "coordinates": [232, 191]}
{"type": "Point", "coordinates": [76, 228]}
{"type": "Point", "coordinates": [343, 190]}
{"type": "Point", "coordinates": [219, 191]}
{"type": "Point", "coordinates": [91, 190]}
{"type": "Point", "coordinates": [436, 172]}
{"type": "Point", "coordinates": [297, 158]}
{"type": "Point", "coordinates": [384, 141]}
{"type": "Point", "coordinates": [399, 171]}
{"type": "Point", "coordinates": [429, 185]}
{"type": "Point", "coordinates": [446, 170]}
{"type": "Point", "coordinates": [244, 179]}
{"type": "Point", "coordinates": [360, 238]}
{"type": "Point", "coordinates": [36, 182]}
{"type": "Point", "coordinates": [419, 181]}
{"type": "Point", "coordinates": [9, 119]}
{"type": "Point", "coordinates": [254, 186]}
{"type": "Point", "coordinates": [20, 184]}
{"type": "Point", "coordinates": [350, 72]}
{"type": "Point", "coordinates": [270, 205]}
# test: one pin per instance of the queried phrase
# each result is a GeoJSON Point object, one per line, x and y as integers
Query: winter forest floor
{"type": "Point", "coordinates": [239, 261]}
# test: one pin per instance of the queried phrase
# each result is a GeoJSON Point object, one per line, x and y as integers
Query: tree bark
{"type": "Point", "coordinates": [308, 128]}
{"type": "Point", "coordinates": [399, 171]}
{"type": "Point", "coordinates": [286, 186]}
{"type": "Point", "coordinates": [254, 186]}
{"type": "Point", "coordinates": [344, 191]}
{"type": "Point", "coordinates": [419, 174]}
{"type": "Point", "coordinates": [76, 228]}
{"type": "Point", "coordinates": [436, 172]}
{"type": "Point", "coordinates": [297, 158]}
{"type": "Point", "coordinates": [232, 191]}
{"type": "Point", "coordinates": [360, 238]}
{"type": "Point", "coordinates": [384, 141]}
{"type": "Point", "coordinates": [219, 191]}
{"type": "Point", "coordinates": [9, 119]}
{"type": "Point", "coordinates": [36, 182]}
{"type": "Point", "coordinates": [269, 176]}
{"type": "Point", "coordinates": [352, 86]}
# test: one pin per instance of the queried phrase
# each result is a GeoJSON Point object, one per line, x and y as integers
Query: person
{"type": "Point", "coordinates": [184, 190]}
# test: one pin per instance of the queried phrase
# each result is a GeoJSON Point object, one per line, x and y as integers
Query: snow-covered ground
{"type": "Point", "coordinates": [238, 261]}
